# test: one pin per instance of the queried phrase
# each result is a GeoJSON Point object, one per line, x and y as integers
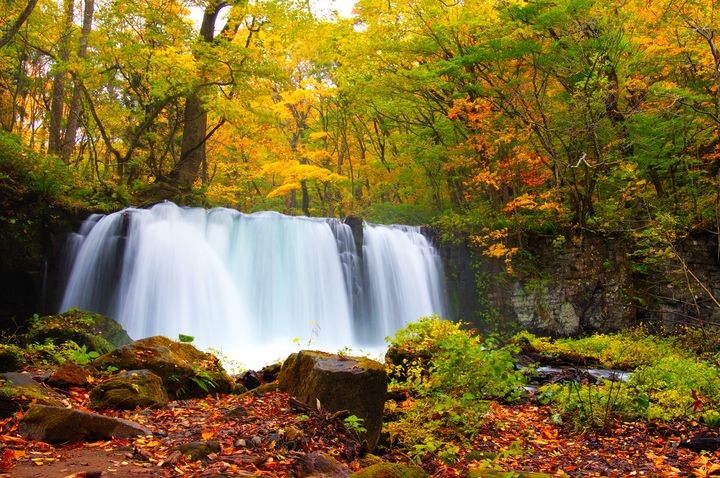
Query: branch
{"type": "Point", "coordinates": [7, 36]}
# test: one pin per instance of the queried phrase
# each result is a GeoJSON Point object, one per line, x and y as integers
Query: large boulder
{"type": "Point", "coordinates": [129, 390]}
{"type": "Point", "coordinates": [19, 390]}
{"type": "Point", "coordinates": [95, 332]}
{"type": "Point", "coordinates": [63, 425]}
{"type": "Point", "coordinates": [186, 372]}
{"type": "Point", "coordinates": [355, 384]}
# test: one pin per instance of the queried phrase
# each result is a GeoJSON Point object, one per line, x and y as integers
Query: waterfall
{"type": "Point", "coordinates": [252, 286]}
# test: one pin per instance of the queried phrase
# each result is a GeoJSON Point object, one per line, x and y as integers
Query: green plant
{"type": "Point", "coordinates": [78, 353]}
{"type": "Point", "coordinates": [186, 339]}
{"type": "Point", "coordinates": [451, 372]}
{"type": "Point", "coordinates": [204, 380]}
{"type": "Point", "coordinates": [678, 387]}
{"type": "Point", "coordinates": [592, 406]}
{"type": "Point", "coordinates": [355, 425]}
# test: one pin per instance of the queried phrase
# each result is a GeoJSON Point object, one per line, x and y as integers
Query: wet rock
{"type": "Point", "coordinates": [61, 425]}
{"type": "Point", "coordinates": [94, 331]}
{"type": "Point", "coordinates": [250, 380]}
{"type": "Point", "coordinates": [186, 372]}
{"type": "Point", "coordinates": [390, 470]}
{"type": "Point", "coordinates": [358, 385]}
{"type": "Point", "coordinates": [129, 390]}
{"type": "Point", "coordinates": [18, 391]}
{"type": "Point", "coordinates": [69, 374]}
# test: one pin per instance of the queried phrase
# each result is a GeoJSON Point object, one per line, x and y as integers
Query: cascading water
{"type": "Point", "coordinates": [249, 285]}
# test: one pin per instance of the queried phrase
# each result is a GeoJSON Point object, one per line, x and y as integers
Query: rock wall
{"type": "Point", "coordinates": [586, 285]}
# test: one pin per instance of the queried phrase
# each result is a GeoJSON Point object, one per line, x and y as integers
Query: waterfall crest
{"type": "Point", "coordinates": [249, 285]}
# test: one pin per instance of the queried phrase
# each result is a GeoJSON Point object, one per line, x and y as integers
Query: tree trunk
{"type": "Point", "coordinates": [74, 110]}
{"type": "Point", "coordinates": [58, 89]}
{"type": "Point", "coordinates": [192, 154]}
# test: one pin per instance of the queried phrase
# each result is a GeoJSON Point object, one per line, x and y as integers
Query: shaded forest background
{"type": "Point", "coordinates": [497, 122]}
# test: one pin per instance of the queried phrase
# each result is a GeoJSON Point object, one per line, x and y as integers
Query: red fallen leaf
{"type": "Point", "coordinates": [698, 401]}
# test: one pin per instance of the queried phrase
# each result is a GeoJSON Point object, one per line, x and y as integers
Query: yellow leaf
{"type": "Point", "coordinates": [283, 190]}
{"type": "Point", "coordinates": [207, 434]}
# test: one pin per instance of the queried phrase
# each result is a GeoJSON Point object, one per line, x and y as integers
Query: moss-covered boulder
{"type": "Point", "coordinates": [390, 470]}
{"type": "Point", "coordinates": [129, 390]}
{"type": "Point", "coordinates": [185, 371]}
{"type": "Point", "coordinates": [94, 331]}
{"type": "Point", "coordinates": [355, 384]}
{"type": "Point", "coordinates": [63, 425]}
{"type": "Point", "coordinates": [18, 391]}
{"type": "Point", "coordinates": [12, 358]}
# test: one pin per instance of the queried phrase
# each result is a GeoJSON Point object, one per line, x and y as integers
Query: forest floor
{"type": "Point", "coordinates": [261, 435]}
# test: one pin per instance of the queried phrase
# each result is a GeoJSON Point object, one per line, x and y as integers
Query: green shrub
{"type": "Point", "coordinates": [451, 372]}
{"type": "Point", "coordinates": [678, 388]}
{"type": "Point", "coordinates": [592, 406]}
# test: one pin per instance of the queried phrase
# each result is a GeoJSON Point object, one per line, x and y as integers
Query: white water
{"type": "Point", "coordinates": [254, 287]}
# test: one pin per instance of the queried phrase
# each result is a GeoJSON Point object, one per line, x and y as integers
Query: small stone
{"type": "Point", "coordinates": [237, 412]}
{"type": "Point", "coordinates": [256, 441]}
{"type": "Point", "coordinates": [240, 443]}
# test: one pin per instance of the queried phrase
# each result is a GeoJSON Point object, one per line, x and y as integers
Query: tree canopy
{"type": "Point", "coordinates": [479, 115]}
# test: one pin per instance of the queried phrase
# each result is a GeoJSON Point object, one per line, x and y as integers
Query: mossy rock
{"type": "Point", "coordinates": [18, 391]}
{"type": "Point", "coordinates": [477, 473]}
{"type": "Point", "coordinates": [70, 374]}
{"type": "Point", "coordinates": [186, 372]}
{"type": "Point", "coordinates": [129, 390]}
{"type": "Point", "coordinates": [355, 384]}
{"type": "Point", "coordinates": [198, 450]}
{"type": "Point", "coordinates": [67, 425]}
{"type": "Point", "coordinates": [12, 358]}
{"type": "Point", "coordinates": [94, 331]}
{"type": "Point", "coordinates": [390, 470]}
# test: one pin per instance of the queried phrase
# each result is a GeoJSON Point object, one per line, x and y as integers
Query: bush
{"type": "Point", "coordinates": [451, 372]}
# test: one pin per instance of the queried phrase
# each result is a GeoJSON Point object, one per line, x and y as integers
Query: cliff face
{"type": "Point", "coordinates": [587, 285]}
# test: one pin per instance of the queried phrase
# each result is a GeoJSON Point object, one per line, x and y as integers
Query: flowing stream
{"type": "Point", "coordinates": [253, 287]}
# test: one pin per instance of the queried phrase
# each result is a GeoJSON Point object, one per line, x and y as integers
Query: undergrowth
{"type": "Point", "coordinates": [450, 373]}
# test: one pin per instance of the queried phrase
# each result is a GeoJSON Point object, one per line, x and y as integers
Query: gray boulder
{"type": "Point", "coordinates": [62, 425]}
{"type": "Point", "coordinates": [357, 385]}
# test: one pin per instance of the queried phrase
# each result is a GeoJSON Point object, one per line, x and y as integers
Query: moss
{"type": "Point", "coordinates": [390, 470]}
{"type": "Point", "coordinates": [127, 390]}
{"type": "Point", "coordinates": [12, 358]}
{"type": "Point", "coordinates": [95, 331]}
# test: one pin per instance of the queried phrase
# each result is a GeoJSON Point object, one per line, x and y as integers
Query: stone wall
{"type": "Point", "coordinates": [589, 284]}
